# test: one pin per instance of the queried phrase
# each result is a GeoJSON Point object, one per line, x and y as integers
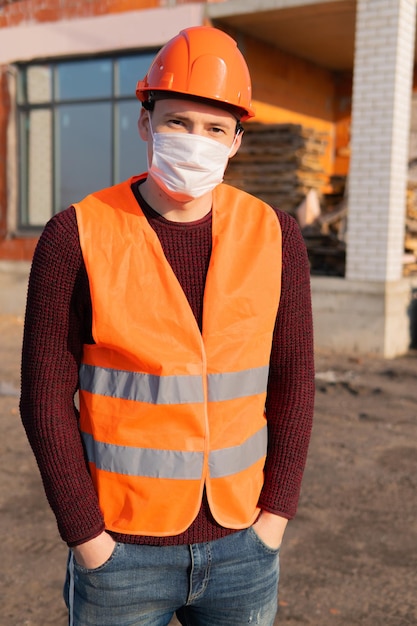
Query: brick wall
{"type": "Point", "coordinates": [14, 12]}
{"type": "Point", "coordinates": [380, 135]}
{"type": "Point", "coordinates": [19, 11]}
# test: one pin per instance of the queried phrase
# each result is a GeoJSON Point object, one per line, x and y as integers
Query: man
{"type": "Point", "coordinates": [179, 308]}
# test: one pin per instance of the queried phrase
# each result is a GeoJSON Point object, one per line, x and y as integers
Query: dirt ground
{"type": "Point", "coordinates": [348, 558]}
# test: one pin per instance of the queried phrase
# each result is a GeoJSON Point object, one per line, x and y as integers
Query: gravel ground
{"type": "Point", "coordinates": [349, 557]}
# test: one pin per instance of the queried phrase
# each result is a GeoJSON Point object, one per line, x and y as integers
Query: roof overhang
{"type": "Point", "coordinates": [322, 32]}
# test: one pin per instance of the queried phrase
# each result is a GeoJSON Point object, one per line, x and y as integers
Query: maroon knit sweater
{"type": "Point", "coordinates": [58, 323]}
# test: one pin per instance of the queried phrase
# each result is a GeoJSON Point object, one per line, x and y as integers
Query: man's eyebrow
{"type": "Point", "coordinates": [174, 114]}
{"type": "Point", "coordinates": [222, 123]}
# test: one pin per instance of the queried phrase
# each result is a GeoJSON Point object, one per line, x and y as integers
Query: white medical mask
{"type": "Point", "coordinates": [186, 165]}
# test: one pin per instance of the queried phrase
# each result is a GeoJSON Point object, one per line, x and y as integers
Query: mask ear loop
{"type": "Point", "coordinates": [150, 125]}
{"type": "Point", "coordinates": [153, 139]}
{"type": "Point", "coordinates": [239, 131]}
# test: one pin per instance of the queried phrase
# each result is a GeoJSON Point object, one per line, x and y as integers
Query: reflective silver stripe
{"type": "Point", "coordinates": [141, 387]}
{"type": "Point", "coordinates": [175, 464]}
{"type": "Point", "coordinates": [143, 461]}
{"type": "Point", "coordinates": [172, 389]}
{"type": "Point", "coordinates": [229, 461]}
{"type": "Point", "coordinates": [230, 385]}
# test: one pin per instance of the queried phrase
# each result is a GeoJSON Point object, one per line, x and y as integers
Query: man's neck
{"type": "Point", "coordinates": [171, 209]}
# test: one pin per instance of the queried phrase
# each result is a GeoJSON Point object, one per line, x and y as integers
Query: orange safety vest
{"type": "Point", "coordinates": [164, 408]}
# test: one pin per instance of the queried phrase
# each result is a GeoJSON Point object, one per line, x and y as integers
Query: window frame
{"type": "Point", "coordinates": [24, 109]}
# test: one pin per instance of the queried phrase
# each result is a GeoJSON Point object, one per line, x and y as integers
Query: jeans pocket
{"type": "Point", "coordinates": [104, 566]}
{"type": "Point", "coordinates": [261, 543]}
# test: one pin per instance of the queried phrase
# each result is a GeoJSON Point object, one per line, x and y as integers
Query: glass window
{"type": "Point", "coordinates": [130, 149]}
{"type": "Point", "coordinates": [84, 151]}
{"type": "Point", "coordinates": [130, 70]}
{"type": "Point", "coordinates": [84, 79]}
{"type": "Point", "coordinates": [78, 130]}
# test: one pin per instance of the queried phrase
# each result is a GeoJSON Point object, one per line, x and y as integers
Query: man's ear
{"type": "Point", "coordinates": [237, 144]}
{"type": "Point", "coordinates": [143, 124]}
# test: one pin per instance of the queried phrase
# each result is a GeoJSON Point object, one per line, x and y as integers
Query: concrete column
{"type": "Point", "coordinates": [384, 55]}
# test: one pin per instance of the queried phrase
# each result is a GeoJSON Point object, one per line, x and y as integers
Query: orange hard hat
{"type": "Point", "coordinates": [201, 62]}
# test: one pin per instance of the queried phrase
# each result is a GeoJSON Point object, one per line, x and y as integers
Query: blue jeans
{"type": "Point", "coordinates": [228, 582]}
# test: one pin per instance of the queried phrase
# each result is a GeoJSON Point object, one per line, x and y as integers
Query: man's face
{"type": "Point", "coordinates": [187, 116]}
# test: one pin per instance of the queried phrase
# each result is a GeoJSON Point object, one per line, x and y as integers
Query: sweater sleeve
{"type": "Point", "coordinates": [52, 347]}
{"type": "Point", "coordinates": [290, 395]}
